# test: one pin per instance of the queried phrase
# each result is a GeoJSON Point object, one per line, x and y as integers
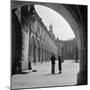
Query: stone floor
{"type": "Point", "coordinates": [42, 77]}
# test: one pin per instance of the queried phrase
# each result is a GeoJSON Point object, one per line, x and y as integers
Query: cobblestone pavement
{"type": "Point", "coordinates": [42, 76]}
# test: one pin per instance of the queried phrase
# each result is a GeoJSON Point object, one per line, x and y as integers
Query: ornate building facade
{"type": "Point", "coordinates": [37, 44]}
{"type": "Point", "coordinates": [68, 49]}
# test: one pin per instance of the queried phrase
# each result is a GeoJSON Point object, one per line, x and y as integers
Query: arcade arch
{"type": "Point", "coordinates": [75, 20]}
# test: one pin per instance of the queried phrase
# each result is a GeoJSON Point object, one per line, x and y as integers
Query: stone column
{"type": "Point", "coordinates": [82, 75]}
{"type": "Point", "coordinates": [16, 43]}
{"type": "Point", "coordinates": [40, 54]}
{"type": "Point", "coordinates": [46, 55]}
{"type": "Point", "coordinates": [34, 54]}
{"type": "Point", "coordinates": [29, 52]}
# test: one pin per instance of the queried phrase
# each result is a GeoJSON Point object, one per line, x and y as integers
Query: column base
{"type": "Point", "coordinates": [82, 78]}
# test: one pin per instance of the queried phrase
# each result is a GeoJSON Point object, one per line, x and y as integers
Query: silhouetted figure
{"type": "Point", "coordinates": [60, 64]}
{"type": "Point", "coordinates": [29, 65]}
{"type": "Point", "coordinates": [76, 55]}
{"type": "Point", "coordinates": [53, 63]}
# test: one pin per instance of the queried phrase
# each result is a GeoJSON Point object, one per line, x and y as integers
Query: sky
{"type": "Point", "coordinates": [61, 28]}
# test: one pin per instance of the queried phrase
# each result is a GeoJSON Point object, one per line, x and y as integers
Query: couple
{"type": "Point", "coordinates": [53, 63]}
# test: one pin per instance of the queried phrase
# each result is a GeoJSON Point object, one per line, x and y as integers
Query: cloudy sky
{"type": "Point", "coordinates": [61, 28]}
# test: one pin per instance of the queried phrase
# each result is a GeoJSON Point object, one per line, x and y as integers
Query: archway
{"type": "Point", "coordinates": [76, 16]}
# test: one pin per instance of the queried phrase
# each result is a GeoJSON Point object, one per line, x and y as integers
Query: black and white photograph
{"type": "Point", "coordinates": [48, 44]}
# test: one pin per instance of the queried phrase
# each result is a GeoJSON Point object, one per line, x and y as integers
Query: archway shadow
{"type": "Point", "coordinates": [49, 74]}
{"type": "Point", "coordinates": [21, 73]}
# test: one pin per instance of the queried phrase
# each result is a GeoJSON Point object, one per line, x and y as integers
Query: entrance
{"type": "Point", "coordinates": [76, 16]}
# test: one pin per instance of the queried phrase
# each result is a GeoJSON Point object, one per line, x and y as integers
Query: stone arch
{"type": "Point", "coordinates": [77, 19]}
{"type": "Point", "coordinates": [62, 10]}
{"type": "Point", "coordinates": [76, 16]}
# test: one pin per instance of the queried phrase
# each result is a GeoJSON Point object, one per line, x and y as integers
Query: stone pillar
{"type": "Point", "coordinates": [40, 54]}
{"type": "Point", "coordinates": [82, 75]}
{"type": "Point", "coordinates": [46, 55]}
{"type": "Point", "coordinates": [16, 43]}
{"type": "Point", "coordinates": [36, 54]}
{"type": "Point", "coordinates": [29, 52]}
{"type": "Point", "coordinates": [34, 57]}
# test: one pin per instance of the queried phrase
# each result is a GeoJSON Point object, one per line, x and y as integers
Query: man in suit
{"type": "Point", "coordinates": [53, 63]}
{"type": "Point", "coordinates": [59, 64]}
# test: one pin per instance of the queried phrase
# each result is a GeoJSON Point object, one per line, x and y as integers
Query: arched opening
{"type": "Point", "coordinates": [77, 23]}
{"type": "Point", "coordinates": [74, 16]}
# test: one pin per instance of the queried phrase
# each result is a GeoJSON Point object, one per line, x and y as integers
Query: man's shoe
{"type": "Point", "coordinates": [60, 72]}
{"type": "Point", "coordinates": [53, 73]}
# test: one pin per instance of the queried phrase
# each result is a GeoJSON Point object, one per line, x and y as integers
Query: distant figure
{"type": "Point", "coordinates": [59, 64]}
{"type": "Point", "coordinates": [53, 63]}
